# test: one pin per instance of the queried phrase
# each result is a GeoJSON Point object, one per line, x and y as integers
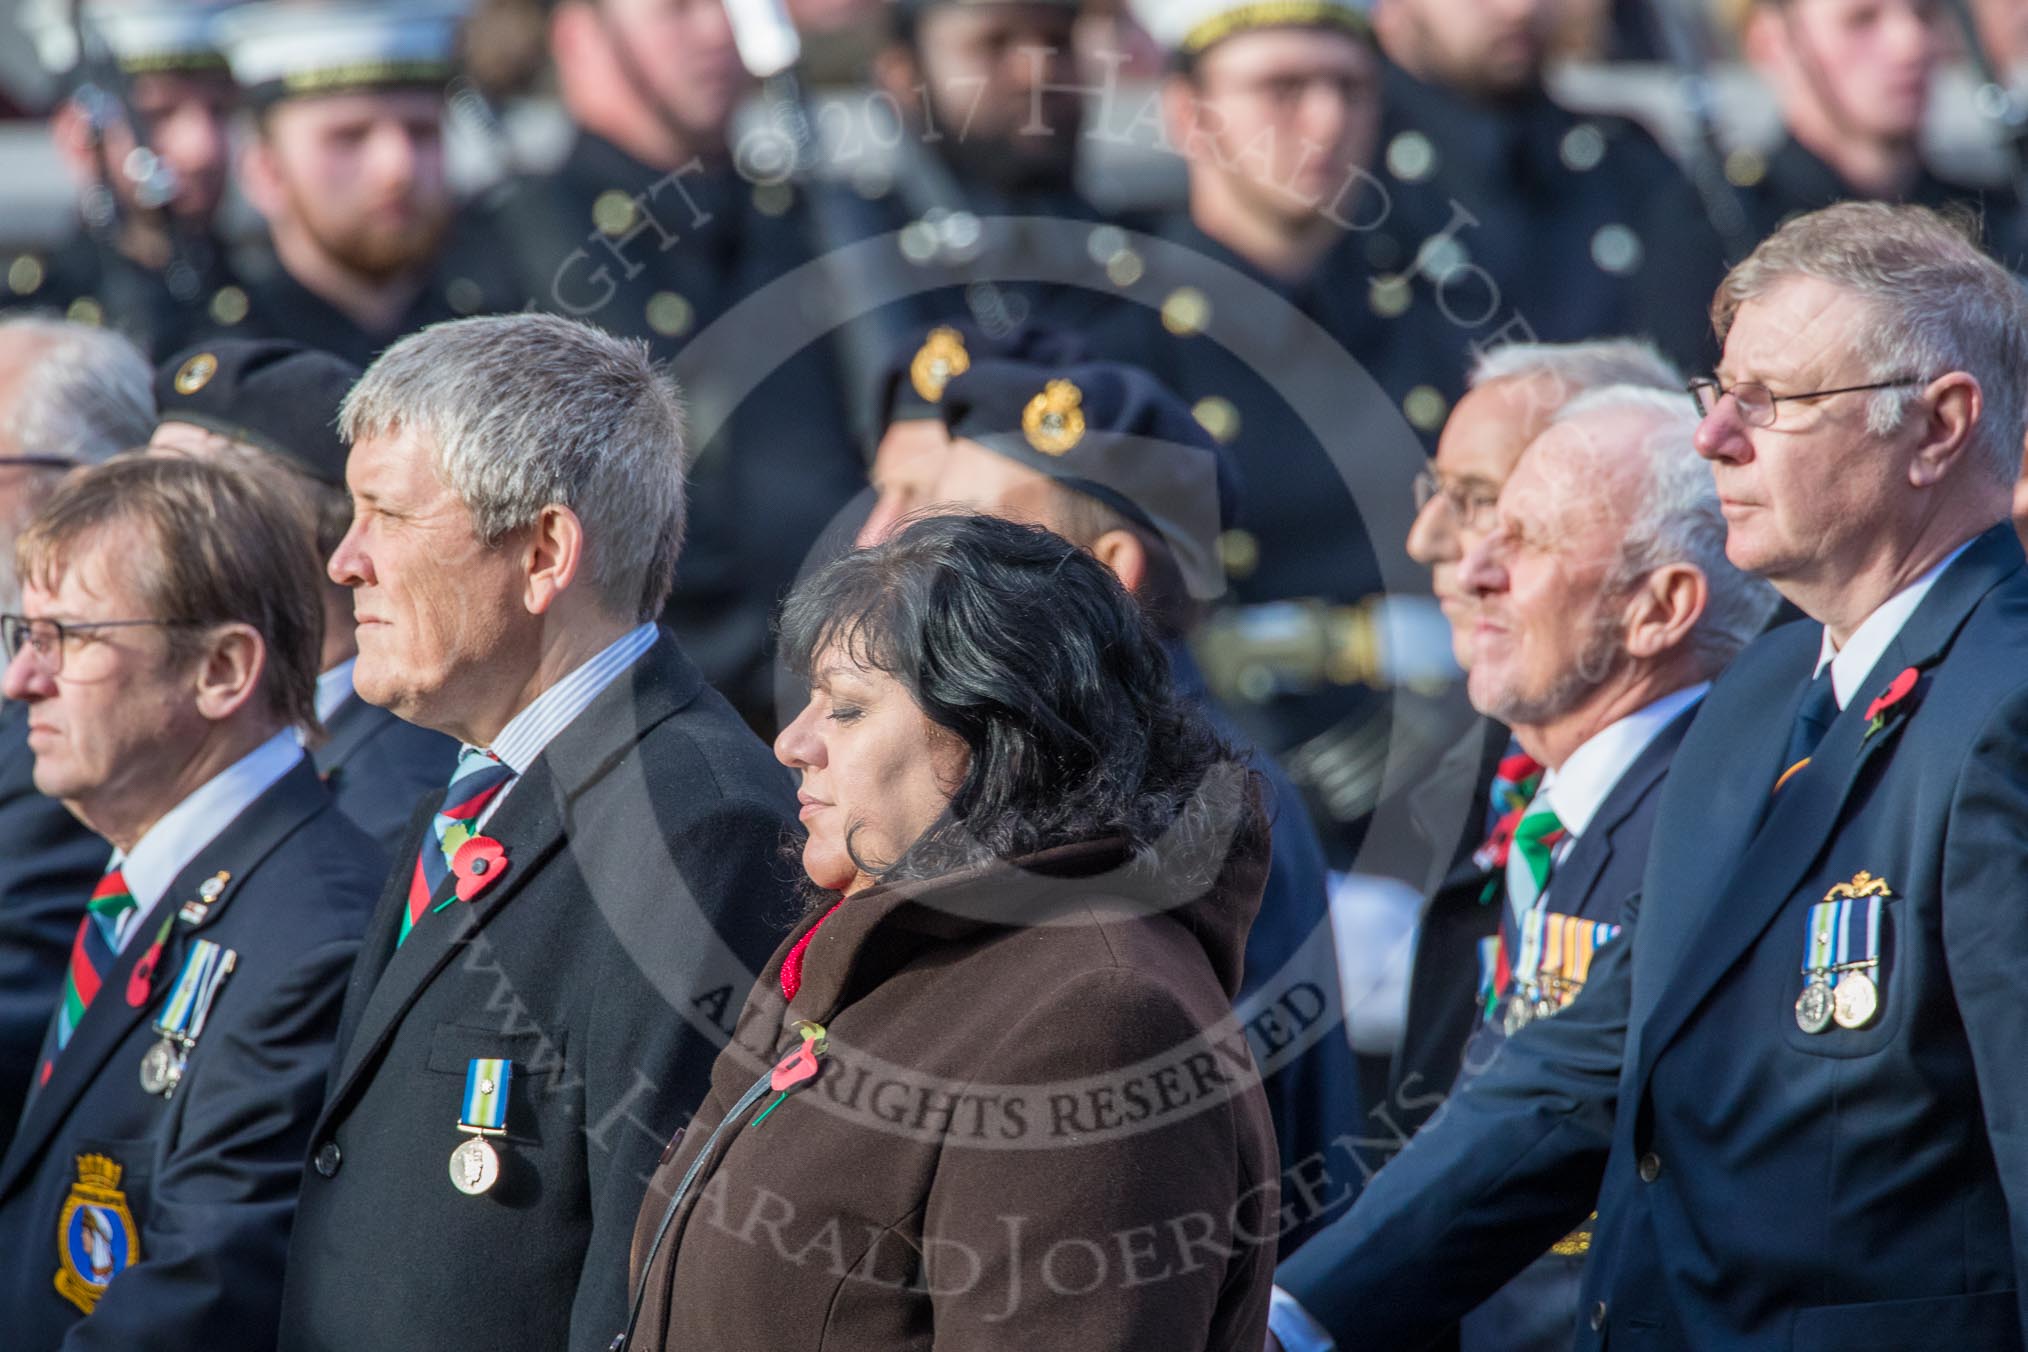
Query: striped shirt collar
{"type": "Point", "coordinates": [536, 726]}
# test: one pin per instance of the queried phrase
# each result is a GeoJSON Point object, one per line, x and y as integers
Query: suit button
{"type": "Point", "coordinates": [1650, 1167]}
{"type": "Point", "coordinates": [1598, 1313]}
{"type": "Point", "coordinates": [328, 1159]}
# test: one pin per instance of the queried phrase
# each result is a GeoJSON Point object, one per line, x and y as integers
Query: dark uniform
{"type": "Point", "coordinates": [49, 861]}
{"type": "Point", "coordinates": [1308, 388]}
{"type": "Point", "coordinates": [663, 257]}
{"type": "Point", "coordinates": [1550, 224]}
{"type": "Point", "coordinates": [166, 1218]}
{"type": "Point", "coordinates": [1792, 181]}
{"type": "Point", "coordinates": [161, 310]}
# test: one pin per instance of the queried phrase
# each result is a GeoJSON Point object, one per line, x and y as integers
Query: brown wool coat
{"type": "Point", "coordinates": [1021, 1136]}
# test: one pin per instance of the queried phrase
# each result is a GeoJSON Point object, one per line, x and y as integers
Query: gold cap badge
{"type": "Point", "coordinates": [1054, 419]}
{"type": "Point", "coordinates": [941, 359]}
{"type": "Point", "coordinates": [196, 373]}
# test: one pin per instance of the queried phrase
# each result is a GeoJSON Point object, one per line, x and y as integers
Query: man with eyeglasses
{"type": "Point", "coordinates": [1793, 1092]}
{"type": "Point", "coordinates": [70, 395]}
{"type": "Point", "coordinates": [166, 652]}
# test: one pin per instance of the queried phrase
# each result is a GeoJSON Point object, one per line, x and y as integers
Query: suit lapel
{"type": "Point", "coordinates": [1570, 887]}
{"type": "Point", "coordinates": [351, 727]}
{"type": "Point", "coordinates": [1795, 827]}
{"type": "Point", "coordinates": [236, 850]}
{"type": "Point", "coordinates": [532, 823]}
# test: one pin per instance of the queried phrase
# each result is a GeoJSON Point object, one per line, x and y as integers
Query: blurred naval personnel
{"type": "Point", "coordinates": [70, 395]}
{"type": "Point", "coordinates": [142, 123]}
{"type": "Point", "coordinates": [1256, 303]}
{"type": "Point", "coordinates": [345, 162]}
{"type": "Point", "coordinates": [1822, 970]}
{"type": "Point", "coordinates": [654, 228]}
{"type": "Point", "coordinates": [166, 650]}
{"type": "Point", "coordinates": [909, 406]}
{"type": "Point", "coordinates": [574, 921]}
{"type": "Point", "coordinates": [1530, 220]}
{"type": "Point", "coordinates": [1101, 454]}
{"type": "Point", "coordinates": [270, 407]}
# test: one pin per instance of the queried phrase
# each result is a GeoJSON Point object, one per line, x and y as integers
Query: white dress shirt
{"type": "Point", "coordinates": [334, 687]}
{"type": "Point", "coordinates": [1862, 652]}
{"type": "Point", "coordinates": [550, 712]}
{"type": "Point", "coordinates": [171, 843]}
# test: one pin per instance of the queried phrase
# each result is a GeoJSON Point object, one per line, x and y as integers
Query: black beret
{"type": "Point", "coordinates": [912, 387]}
{"type": "Point", "coordinates": [278, 396]}
{"type": "Point", "coordinates": [1112, 432]}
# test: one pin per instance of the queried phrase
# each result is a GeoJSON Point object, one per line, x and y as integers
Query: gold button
{"type": "Point", "coordinates": [228, 305]}
{"type": "Point", "coordinates": [25, 275]}
{"type": "Point", "coordinates": [85, 310]}
{"type": "Point", "coordinates": [1239, 552]}
{"type": "Point", "coordinates": [1186, 312]}
{"type": "Point", "coordinates": [1389, 296]}
{"type": "Point", "coordinates": [1425, 408]}
{"type": "Point", "coordinates": [1218, 417]}
{"type": "Point", "coordinates": [773, 199]}
{"type": "Point", "coordinates": [669, 314]}
{"type": "Point", "coordinates": [613, 212]}
{"type": "Point", "coordinates": [1411, 157]}
{"type": "Point", "coordinates": [1125, 268]}
{"type": "Point", "coordinates": [1744, 168]}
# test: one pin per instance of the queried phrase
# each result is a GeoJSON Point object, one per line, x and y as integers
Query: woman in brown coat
{"type": "Point", "coordinates": [990, 1092]}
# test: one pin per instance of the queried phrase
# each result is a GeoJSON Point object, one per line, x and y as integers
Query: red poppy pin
{"type": "Point", "coordinates": [479, 863]}
{"type": "Point", "coordinates": [141, 981]}
{"type": "Point", "coordinates": [1892, 702]}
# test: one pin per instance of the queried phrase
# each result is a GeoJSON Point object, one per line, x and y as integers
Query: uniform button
{"type": "Point", "coordinates": [328, 1158]}
{"type": "Point", "coordinates": [1650, 1167]}
{"type": "Point", "coordinates": [1598, 1314]}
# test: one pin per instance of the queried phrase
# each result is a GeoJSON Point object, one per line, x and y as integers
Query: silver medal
{"type": "Point", "coordinates": [161, 1068]}
{"type": "Point", "coordinates": [1857, 1000]}
{"type": "Point", "coordinates": [475, 1166]}
{"type": "Point", "coordinates": [1520, 1011]}
{"type": "Point", "coordinates": [1816, 1006]}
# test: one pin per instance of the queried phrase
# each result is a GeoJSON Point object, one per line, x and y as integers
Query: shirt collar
{"type": "Point", "coordinates": [334, 687]}
{"type": "Point", "coordinates": [171, 843]}
{"type": "Point", "coordinates": [1580, 786]}
{"type": "Point", "coordinates": [536, 726]}
{"type": "Point", "coordinates": [1862, 651]}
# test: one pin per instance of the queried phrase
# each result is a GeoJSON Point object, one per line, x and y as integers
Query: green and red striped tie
{"type": "Point", "coordinates": [477, 781]}
{"type": "Point", "coordinates": [1534, 852]}
{"type": "Point", "coordinates": [92, 955]}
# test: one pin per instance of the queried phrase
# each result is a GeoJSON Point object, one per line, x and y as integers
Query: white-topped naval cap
{"type": "Point", "coordinates": [1189, 27]}
{"type": "Point", "coordinates": [285, 48]}
{"type": "Point", "coordinates": [142, 35]}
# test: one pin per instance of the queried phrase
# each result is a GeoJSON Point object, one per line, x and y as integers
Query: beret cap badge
{"type": "Point", "coordinates": [941, 359]}
{"type": "Point", "coordinates": [196, 373]}
{"type": "Point", "coordinates": [1054, 419]}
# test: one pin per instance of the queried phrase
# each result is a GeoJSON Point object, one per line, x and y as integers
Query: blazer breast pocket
{"type": "Point", "coordinates": [536, 1082]}
{"type": "Point", "coordinates": [1848, 1002]}
{"type": "Point", "coordinates": [1987, 1322]}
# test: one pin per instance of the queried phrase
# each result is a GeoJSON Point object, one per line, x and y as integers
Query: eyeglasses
{"type": "Point", "coordinates": [1756, 402]}
{"type": "Point", "coordinates": [48, 638]}
{"type": "Point", "coordinates": [37, 462]}
{"type": "Point", "coordinates": [1473, 507]}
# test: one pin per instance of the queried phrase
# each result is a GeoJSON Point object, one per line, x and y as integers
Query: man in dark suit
{"type": "Point", "coordinates": [570, 931]}
{"type": "Point", "coordinates": [71, 395]}
{"type": "Point", "coordinates": [270, 407]}
{"type": "Point", "coordinates": [166, 656]}
{"type": "Point", "coordinates": [1792, 1094]}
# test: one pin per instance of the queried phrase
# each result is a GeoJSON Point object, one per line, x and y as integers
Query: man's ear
{"type": "Point", "coordinates": [1123, 552]}
{"type": "Point", "coordinates": [1665, 608]}
{"type": "Point", "coordinates": [229, 673]}
{"type": "Point", "coordinates": [1184, 114]}
{"type": "Point", "coordinates": [1955, 403]}
{"type": "Point", "coordinates": [555, 554]}
{"type": "Point", "coordinates": [260, 177]}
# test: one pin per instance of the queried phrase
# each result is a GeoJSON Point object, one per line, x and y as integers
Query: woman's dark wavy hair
{"type": "Point", "coordinates": [1030, 652]}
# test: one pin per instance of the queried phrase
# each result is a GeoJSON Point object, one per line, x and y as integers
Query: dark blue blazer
{"type": "Point", "coordinates": [646, 883]}
{"type": "Point", "coordinates": [209, 1176]}
{"type": "Point", "coordinates": [49, 863]}
{"type": "Point", "coordinates": [378, 768]}
{"type": "Point", "coordinates": [1758, 1186]}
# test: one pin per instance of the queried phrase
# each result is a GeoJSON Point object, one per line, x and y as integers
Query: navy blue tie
{"type": "Point", "coordinates": [1813, 720]}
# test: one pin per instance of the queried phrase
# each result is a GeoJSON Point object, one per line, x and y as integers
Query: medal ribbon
{"type": "Point", "coordinates": [1821, 939]}
{"type": "Point", "coordinates": [205, 967]}
{"type": "Point", "coordinates": [486, 1080]}
{"type": "Point", "coordinates": [1867, 921]}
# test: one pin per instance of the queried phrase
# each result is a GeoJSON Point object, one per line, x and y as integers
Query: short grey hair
{"type": "Point", "coordinates": [1565, 371]}
{"type": "Point", "coordinates": [88, 394]}
{"type": "Point", "coordinates": [1936, 303]}
{"type": "Point", "coordinates": [1675, 518]}
{"type": "Point", "coordinates": [527, 411]}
